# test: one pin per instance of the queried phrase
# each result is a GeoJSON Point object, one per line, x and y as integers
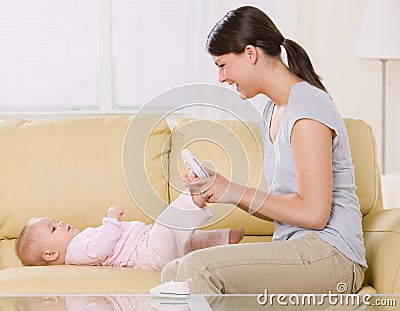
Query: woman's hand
{"type": "Point", "coordinates": [215, 188]}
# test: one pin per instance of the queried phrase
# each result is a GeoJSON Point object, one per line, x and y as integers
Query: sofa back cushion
{"type": "Point", "coordinates": [72, 170]}
{"type": "Point", "coordinates": [366, 168]}
{"type": "Point", "coordinates": [235, 149]}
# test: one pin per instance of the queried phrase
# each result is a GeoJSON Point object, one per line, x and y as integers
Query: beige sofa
{"type": "Point", "coordinates": [74, 169]}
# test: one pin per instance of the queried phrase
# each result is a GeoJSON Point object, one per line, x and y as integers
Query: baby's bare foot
{"type": "Point", "coordinates": [236, 236]}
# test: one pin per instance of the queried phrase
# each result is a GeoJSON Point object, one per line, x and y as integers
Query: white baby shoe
{"type": "Point", "coordinates": [171, 289]}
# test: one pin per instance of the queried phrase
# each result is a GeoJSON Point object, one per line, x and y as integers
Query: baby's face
{"type": "Point", "coordinates": [52, 235]}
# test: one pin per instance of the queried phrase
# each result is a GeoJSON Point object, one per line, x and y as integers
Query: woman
{"type": "Point", "coordinates": [318, 242]}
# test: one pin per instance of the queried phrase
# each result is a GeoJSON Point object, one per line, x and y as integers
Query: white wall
{"type": "Point", "coordinates": [327, 30]}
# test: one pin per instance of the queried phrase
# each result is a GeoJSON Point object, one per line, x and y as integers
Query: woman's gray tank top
{"type": "Point", "coordinates": [344, 229]}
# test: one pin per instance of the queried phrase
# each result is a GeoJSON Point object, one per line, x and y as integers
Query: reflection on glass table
{"type": "Point", "coordinates": [201, 303]}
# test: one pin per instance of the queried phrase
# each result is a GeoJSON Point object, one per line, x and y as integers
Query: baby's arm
{"type": "Point", "coordinates": [94, 245]}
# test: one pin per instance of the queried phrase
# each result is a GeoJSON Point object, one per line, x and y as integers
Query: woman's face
{"type": "Point", "coordinates": [238, 70]}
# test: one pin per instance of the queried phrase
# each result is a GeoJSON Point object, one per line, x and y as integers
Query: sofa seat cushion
{"type": "Point", "coordinates": [367, 290]}
{"type": "Point", "coordinates": [77, 279]}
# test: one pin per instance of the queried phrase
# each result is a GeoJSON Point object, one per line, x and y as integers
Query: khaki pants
{"type": "Point", "coordinates": [304, 265]}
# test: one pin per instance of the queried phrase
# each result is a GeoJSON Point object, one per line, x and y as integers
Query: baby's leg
{"type": "Point", "coordinates": [160, 245]}
{"type": "Point", "coordinates": [171, 234]}
{"type": "Point", "coordinates": [209, 238]}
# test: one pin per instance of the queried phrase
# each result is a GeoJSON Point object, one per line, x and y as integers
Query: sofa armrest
{"type": "Point", "coordinates": [382, 242]}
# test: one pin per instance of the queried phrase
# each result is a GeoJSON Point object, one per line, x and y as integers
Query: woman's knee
{"type": "Point", "coordinates": [170, 270]}
{"type": "Point", "coordinates": [191, 263]}
{"type": "Point", "coordinates": [191, 266]}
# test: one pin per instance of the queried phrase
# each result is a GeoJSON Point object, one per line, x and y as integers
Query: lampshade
{"type": "Point", "coordinates": [379, 35]}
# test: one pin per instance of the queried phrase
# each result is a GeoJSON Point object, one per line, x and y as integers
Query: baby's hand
{"type": "Point", "coordinates": [115, 212]}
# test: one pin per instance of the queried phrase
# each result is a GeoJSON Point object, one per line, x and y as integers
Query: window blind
{"type": "Point", "coordinates": [48, 55]}
{"type": "Point", "coordinates": [149, 47]}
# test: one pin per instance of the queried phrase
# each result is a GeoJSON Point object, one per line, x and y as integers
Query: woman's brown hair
{"type": "Point", "coordinates": [248, 25]}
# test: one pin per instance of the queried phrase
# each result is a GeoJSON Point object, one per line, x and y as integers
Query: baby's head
{"type": "Point", "coordinates": [43, 241]}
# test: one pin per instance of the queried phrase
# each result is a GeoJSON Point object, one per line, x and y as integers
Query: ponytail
{"type": "Point", "coordinates": [250, 26]}
{"type": "Point", "coordinates": [300, 64]}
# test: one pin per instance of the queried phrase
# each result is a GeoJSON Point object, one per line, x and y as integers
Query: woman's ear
{"type": "Point", "coordinates": [251, 52]}
{"type": "Point", "coordinates": [50, 255]}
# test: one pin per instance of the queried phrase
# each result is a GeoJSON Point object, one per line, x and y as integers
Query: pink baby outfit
{"type": "Point", "coordinates": [147, 247]}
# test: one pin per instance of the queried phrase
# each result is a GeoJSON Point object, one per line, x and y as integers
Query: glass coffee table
{"type": "Point", "coordinates": [200, 303]}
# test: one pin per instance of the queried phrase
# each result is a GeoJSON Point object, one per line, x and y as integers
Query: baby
{"type": "Point", "coordinates": [43, 241]}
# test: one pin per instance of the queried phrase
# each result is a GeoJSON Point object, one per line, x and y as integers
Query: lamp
{"type": "Point", "coordinates": [379, 38]}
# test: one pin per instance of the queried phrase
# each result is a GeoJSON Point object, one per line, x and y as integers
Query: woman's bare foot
{"type": "Point", "coordinates": [235, 236]}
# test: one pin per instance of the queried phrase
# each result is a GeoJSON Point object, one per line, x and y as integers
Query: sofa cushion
{"type": "Point", "coordinates": [146, 166]}
{"type": "Point", "coordinates": [234, 149]}
{"type": "Point", "coordinates": [366, 169]}
{"type": "Point", "coordinates": [72, 170]}
{"type": "Point", "coordinates": [77, 279]}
